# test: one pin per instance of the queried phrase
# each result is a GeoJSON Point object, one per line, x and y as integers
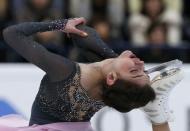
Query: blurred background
{"type": "Point", "coordinates": [155, 30]}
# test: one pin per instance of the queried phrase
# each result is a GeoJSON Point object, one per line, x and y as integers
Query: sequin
{"type": "Point", "coordinates": [59, 24]}
{"type": "Point", "coordinates": [67, 100]}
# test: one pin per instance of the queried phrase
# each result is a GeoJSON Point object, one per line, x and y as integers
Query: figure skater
{"type": "Point", "coordinates": [157, 111]}
{"type": "Point", "coordinates": [67, 93]}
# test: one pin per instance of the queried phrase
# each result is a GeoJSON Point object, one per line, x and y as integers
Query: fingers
{"type": "Point", "coordinates": [79, 32]}
{"type": "Point", "coordinates": [71, 28]}
{"type": "Point", "coordinates": [80, 20]}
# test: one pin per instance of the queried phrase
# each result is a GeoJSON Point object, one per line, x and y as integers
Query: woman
{"type": "Point", "coordinates": [153, 11]}
{"type": "Point", "coordinates": [67, 93]}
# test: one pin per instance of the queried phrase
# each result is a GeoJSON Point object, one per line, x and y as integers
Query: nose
{"type": "Point", "coordinates": [139, 64]}
{"type": "Point", "coordinates": [129, 54]}
{"type": "Point", "coordinates": [138, 61]}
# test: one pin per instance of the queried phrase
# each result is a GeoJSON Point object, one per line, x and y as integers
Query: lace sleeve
{"type": "Point", "coordinates": [18, 37]}
{"type": "Point", "coordinates": [92, 46]}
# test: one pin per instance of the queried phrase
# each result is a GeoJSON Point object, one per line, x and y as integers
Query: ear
{"type": "Point", "coordinates": [111, 78]}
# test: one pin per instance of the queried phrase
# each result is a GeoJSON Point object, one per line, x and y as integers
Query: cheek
{"type": "Point", "coordinates": [125, 64]}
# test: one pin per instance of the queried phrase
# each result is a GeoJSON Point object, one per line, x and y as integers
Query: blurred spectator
{"type": "Point", "coordinates": [117, 11]}
{"type": "Point", "coordinates": [41, 10]}
{"type": "Point", "coordinates": [176, 5]}
{"type": "Point", "coordinates": [114, 11]}
{"type": "Point", "coordinates": [156, 34]}
{"type": "Point", "coordinates": [80, 8]}
{"type": "Point", "coordinates": [6, 18]}
{"type": "Point", "coordinates": [152, 11]}
{"type": "Point", "coordinates": [157, 50]}
{"type": "Point", "coordinates": [134, 6]}
{"type": "Point", "coordinates": [152, 22]}
{"type": "Point", "coordinates": [37, 10]}
{"type": "Point", "coordinates": [103, 28]}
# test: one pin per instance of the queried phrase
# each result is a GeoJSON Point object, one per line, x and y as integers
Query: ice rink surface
{"type": "Point", "coordinates": [19, 84]}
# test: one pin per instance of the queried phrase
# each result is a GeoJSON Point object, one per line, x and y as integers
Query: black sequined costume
{"type": "Point", "coordinates": [61, 98]}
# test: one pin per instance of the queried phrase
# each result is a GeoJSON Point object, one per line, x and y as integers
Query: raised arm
{"type": "Point", "coordinates": [92, 47]}
{"type": "Point", "coordinates": [18, 37]}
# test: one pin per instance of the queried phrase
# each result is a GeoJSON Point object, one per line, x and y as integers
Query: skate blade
{"type": "Point", "coordinates": [162, 67]}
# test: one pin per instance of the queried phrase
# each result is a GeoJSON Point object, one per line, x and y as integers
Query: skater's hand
{"type": "Point", "coordinates": [71, 26]}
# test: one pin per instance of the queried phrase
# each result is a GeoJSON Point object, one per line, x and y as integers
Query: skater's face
{"type": "Point", "coordinates": [129, 67]}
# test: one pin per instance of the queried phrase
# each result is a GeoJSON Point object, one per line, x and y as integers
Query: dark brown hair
{"type": "Point", "coordinates": [155, 25]}
{"type": "Point", "coordinates": [125, 96]}
{"type": "Point", "coordinates": [143, 9]}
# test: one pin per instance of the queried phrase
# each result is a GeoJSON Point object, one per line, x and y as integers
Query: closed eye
{"type": "Point", "coordinates": [137, 76]}
{"type": "Point", "coordinates": [134, 71]}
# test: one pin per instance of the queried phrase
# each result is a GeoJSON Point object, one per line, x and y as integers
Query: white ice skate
{"type": "Point", "coordinates": [158, 110]}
